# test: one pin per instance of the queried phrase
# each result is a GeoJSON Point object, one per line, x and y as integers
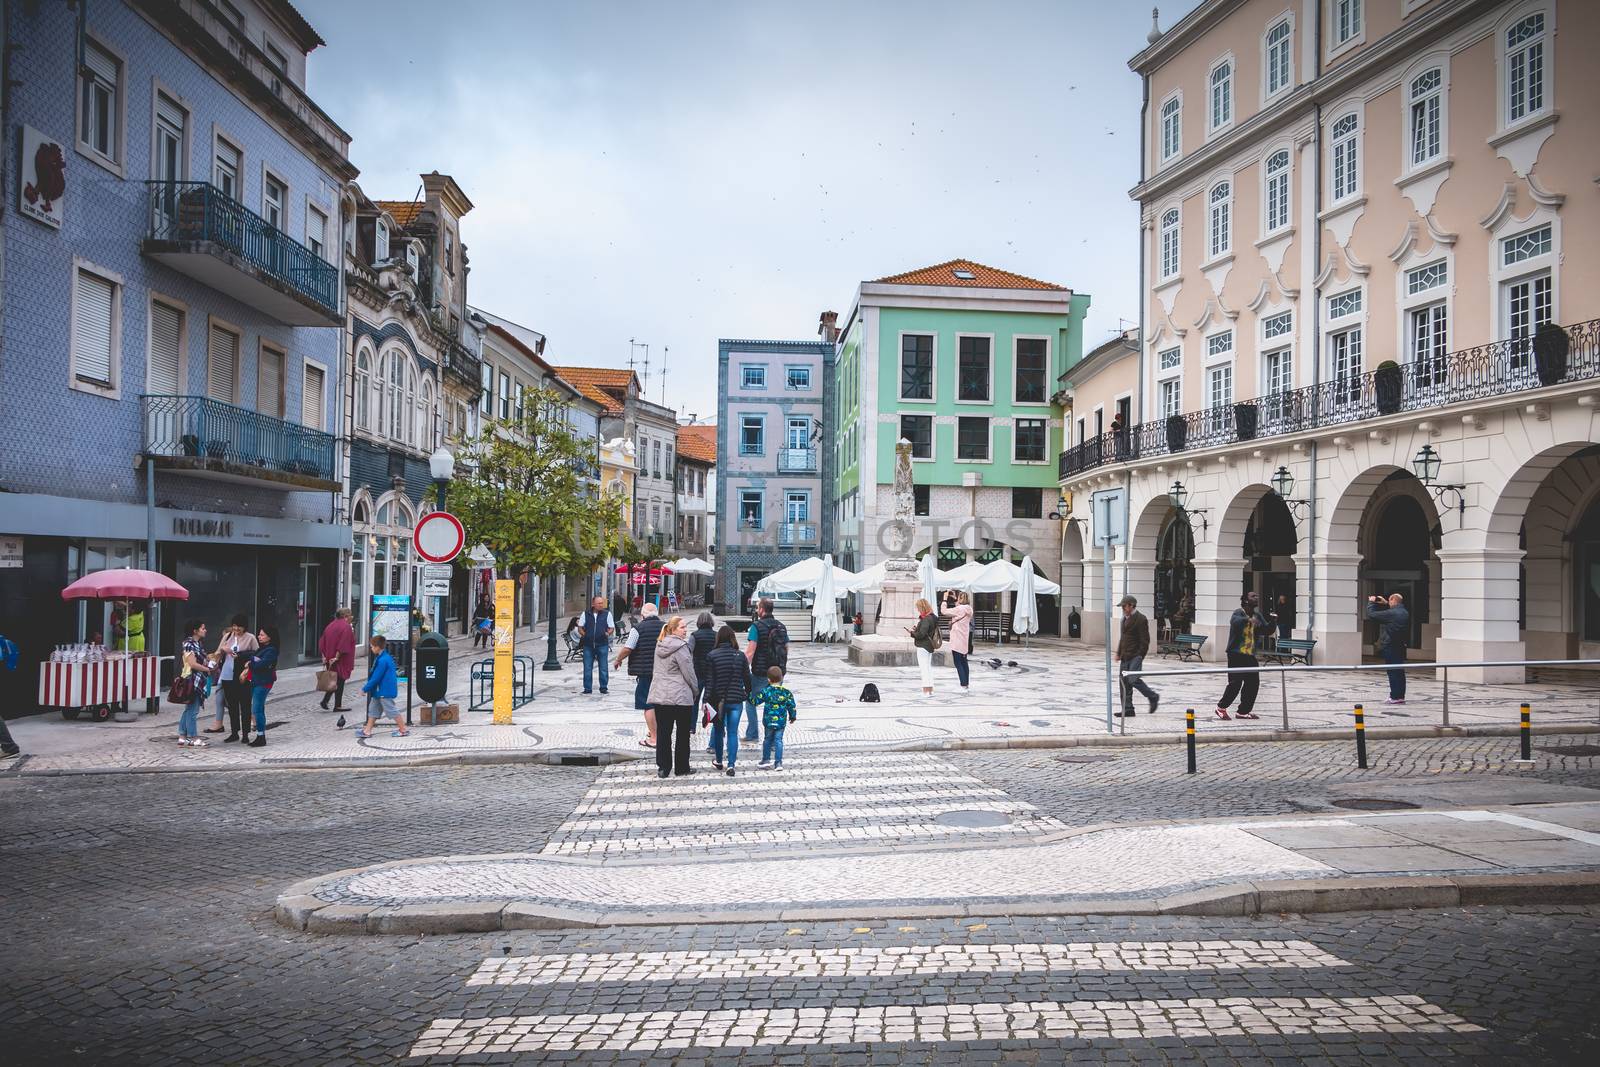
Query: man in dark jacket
{"type": "Point", "coordinates": [595, 627]}
{"type": "Point", "coordinates": [640, 652]}
{"type": "Point", "coordinates": [1132, 647]}
{"type": "Point", "coordinates": [1245, 629]}
{"type": "Point", "coordinates": [766, 645]}
{"type": "Point", "coordinates": [1395, 626]}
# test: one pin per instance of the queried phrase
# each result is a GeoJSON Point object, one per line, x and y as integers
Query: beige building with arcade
{"type": "Point", "coordinates": [1370, 360]}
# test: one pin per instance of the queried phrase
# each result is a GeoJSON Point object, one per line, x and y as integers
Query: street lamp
{"type": "Point", "coordinates": [1180, 500]}
{"type": "Point", "coordinates": [1426, 467]}
{"type": "Point", "coordinates": [442, 465]}
{"type": "Point", "coordinates": [1283, 485]}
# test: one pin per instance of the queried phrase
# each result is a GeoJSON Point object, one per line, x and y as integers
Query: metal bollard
{"type": "Point", "coordinates": [1188, 726]}
{"type": "Point", "coordinates": [1361, 737]}
{"type": "Point", "coordinates": [1527, 734]}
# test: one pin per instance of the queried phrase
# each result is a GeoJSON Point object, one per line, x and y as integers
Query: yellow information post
{"type": "Point", "coordinates": [505, 643]}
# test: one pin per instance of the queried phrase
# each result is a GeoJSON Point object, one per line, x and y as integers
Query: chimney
{"type": "Point", "coordinates": [828, 326]}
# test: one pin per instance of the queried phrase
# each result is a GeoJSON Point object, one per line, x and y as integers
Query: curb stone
{"type": "Point", "coordinates": [303, 911]}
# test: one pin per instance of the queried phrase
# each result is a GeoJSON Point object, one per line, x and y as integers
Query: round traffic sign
{"type": "Point", "coordinates": [439, 537]}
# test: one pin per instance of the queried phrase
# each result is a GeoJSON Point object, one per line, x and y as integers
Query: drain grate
{"type": "Point", "coordinates": [973, 819]}
{"type": "Point", "coordinates": [1373, 804]}
{"type": "Point", "coordinates": [1086, 757]}
{"type": "Point", "coordinates": [1571, 750]}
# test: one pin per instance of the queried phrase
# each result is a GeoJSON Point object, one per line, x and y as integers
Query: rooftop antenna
{"type": "Point", "coordinates": [664, 350]}
{"type": "Point", "coordinates": [644, 375]}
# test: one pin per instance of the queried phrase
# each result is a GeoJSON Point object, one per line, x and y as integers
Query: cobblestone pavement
{"type": "Point", "coordinates": [141, 933]}
{"type": "Point", "coordinates": [1054, 691]}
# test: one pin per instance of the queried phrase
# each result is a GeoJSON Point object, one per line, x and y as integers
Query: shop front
{"type": "Point", "coordinates": [276, 572]}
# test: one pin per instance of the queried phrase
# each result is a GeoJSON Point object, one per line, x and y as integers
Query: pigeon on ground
{"type": "Point", "coordinates": [1011, 663]}
{"type": "Point", "coordinates": [994, 664]}
{"type": "Point", "coordinates": [340, 723]}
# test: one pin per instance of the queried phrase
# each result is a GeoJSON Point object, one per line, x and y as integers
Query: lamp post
{"type": "Point", "coordinates": [551, 661]}
{"type": "Point", "coordinates": [442, 465]}
{"type": "Point", "coordinates": [1180, 500]}
{"type": "Point", "coordinates": [1426, 467]}
{"type": "Point", "coordinates": [1283, 485]}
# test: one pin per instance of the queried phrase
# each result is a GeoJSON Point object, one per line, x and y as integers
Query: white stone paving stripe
{"type": "Point", "coordinates": [917, 813]}
{"type": "Point", "coordinates": [1212, 956]}
{"type": "Point", "coordinates": [646, 768]}
{"type": "Point", "coordinates": [751, 780]}
{"type": "Point", "coordinates": [1014, 1020]}
{"type": "Point", "coordinates": [766, 801]}
{"type": "Point", "coordinates": [797, 835]}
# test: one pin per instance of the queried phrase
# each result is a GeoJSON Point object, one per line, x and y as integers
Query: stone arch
{"type": "Point", "coordinates": [1235, 518]}
{"type": "Point", "coordinates": [1072, 568]}
{"type": "Point", "coordinates": [1511, 504]}
{"type": "Point", "coordinates": [1341, 535]}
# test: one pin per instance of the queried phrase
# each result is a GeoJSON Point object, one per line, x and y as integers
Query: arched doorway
{"type": "Point", "coordinates": [1586, 578]}
{"type": "Point", "coordinates": [1174, 595]}
{"type": "Point", "coordinates": [1270, 542]}
{"type": "Point", "coordinates": [1399, 537]}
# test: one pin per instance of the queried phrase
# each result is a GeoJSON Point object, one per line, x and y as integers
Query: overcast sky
{"type": "Point", "coordinates": [676, 172]}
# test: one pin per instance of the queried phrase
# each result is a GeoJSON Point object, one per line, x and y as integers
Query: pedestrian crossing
{"type": "Point", "coordinates": [815, 802]}
{"type": "Point", "coordinates": [829, 996]}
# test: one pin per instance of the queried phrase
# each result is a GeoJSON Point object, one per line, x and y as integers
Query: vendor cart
{"type": "Point", "coordinates": [112, 679]}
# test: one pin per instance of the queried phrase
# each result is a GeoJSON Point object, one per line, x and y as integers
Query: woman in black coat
{"type": "Point", "coordinates": [700, 642]}
{"type": "Point", "coordinates": [727, 690]}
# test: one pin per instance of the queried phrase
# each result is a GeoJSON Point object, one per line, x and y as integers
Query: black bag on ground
{"type": "Point", "coordinates": [869, 694]}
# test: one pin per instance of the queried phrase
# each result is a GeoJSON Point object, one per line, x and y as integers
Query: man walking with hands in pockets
{"type": "Point", "coordinates": [1132, 647]}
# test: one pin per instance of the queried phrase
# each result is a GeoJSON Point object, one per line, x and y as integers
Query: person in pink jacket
{"type": "Point", "coordinates": [338, 649]}
{"type": "Point", "coordinates": [960, 615]}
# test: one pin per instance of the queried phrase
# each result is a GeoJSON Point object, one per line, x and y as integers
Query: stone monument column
{"type": "Point", "coordinates": [891, 645]}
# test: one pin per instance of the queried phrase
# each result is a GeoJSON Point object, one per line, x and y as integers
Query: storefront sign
{"type": "Point", "coordinates": [185, 526]}
{"type": "Point", "coordinates": [505, 638]}
{"type": "Point", "coordinates": [10, 551]}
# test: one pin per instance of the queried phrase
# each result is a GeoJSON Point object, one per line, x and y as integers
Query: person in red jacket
{"type": "Point", "coordinates": [338, 649]}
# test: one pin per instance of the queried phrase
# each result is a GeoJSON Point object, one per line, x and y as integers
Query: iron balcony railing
{"type": "Point", "coordinates": [198, 211]}
{"type": "Point", "coordinates": [1471, 374]}
{"type": "Point", "coordinates": [797, 460]}
{"type": "Point", "coordinates": [224, 436]}
{"type": "Point", "coordinates": [797, 533]}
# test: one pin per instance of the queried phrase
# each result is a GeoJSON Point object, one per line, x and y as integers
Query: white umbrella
{"type": "Point", "coordinates": [1025, 614]}
{"type": "Point", "coordinates": [691, 566]}
{"type": "Point", "coordinates": [959, 577]}
{"type": "Point", "coordinates": [825, 609]}
{"type": "Point", "coordinates": [928, 572]}
{"type": "Point", "coordinates": [1001, 576]}
{"type": "Point", "coordinates": [801, 577]}
{"type": "Point", "coordinates": [868, 581]}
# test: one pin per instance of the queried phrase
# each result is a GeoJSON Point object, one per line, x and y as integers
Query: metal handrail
{"type": "Point", "coordinates": [1284, 669]}
{"type": "Point", "coordinates": [211, 432]}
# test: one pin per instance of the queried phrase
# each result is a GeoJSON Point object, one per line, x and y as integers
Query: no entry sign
{"type": "Point", "coordinates": [439, 537]}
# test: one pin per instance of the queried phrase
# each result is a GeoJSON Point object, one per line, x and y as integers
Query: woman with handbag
{"type": "Point", "coordinates": [237, 642]}
{"type": "Point", "coordinates": [960, 615]}
{"type": "Point", "coordinates": [261, 673]}
{"type": "Point", "coordinates": [926, 639]}
{"type": "Point", "coordinates": [338, 648]}
{"type": "Point", "coordinates": [189, 688]}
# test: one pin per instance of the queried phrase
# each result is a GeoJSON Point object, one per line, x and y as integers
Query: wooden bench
{"type": "Point", "coordinates": [1291, 650]}
{"type": "Point", "coordinates": [1184, 646]}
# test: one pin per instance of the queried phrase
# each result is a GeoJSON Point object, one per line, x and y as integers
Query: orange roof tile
{"type": "Point", "coordinates": [405, 212]}
{"type": "Point", "coordinates": [698, 443]}
{"type": "Point", "coordinates": [606, 386]}
{"type": "Point", "coordinates": [981, 277]}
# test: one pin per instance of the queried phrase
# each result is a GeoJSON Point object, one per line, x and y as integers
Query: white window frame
{"type": "Point", "coordinates": [1503, 63]}
{"type": "Point", "coordinates": [113, 389]}
{"type": "Point", "coordinates": [1407, 302]}
{"type": "Point", "coordinates": [1175, 381]}
{"type": "Point", "coordinates": [1175, 212]}
{"type": "Point", "coordinates": [315, 211]}
{"type": "Point", "coordinates": [285, 224]}
{"type": "Point", "coordinates": [933, 364]}
{"type": "Point", "coordinates": [1220, 412]}
{"type": "Point", "coordinates": [790, 369]}
{"type": "Point", "coordinates": [933, 434]}
{"type": "Point", "coordinates": [186, 140]}
{"type": "Point", "coordinates": [1214, 124]}
{"type": "Point", "coordinates": [306, 365]}
{"type": "Point", "coordinates": [992, 360]}
{"type": "Point", "coordinates": [182, 308]}
{"type": "Point", "coordinates": [1439, 97]}
{"type": "Point", "coordinates": [1049, 363]}
{"type": "Point", "coordinates": [1174, 97]}
{"type": "Point", "coordinates": [1280, 345]}
{"type": "Point", "coordinates": [219, 140]}
{"type": "Point", "coordinates": [1285, 178]}
{"type": "Point", "coordinates": [1216, 353]}
{"type": "Point", "coordinates": [1344, 325]}
{"type": "Point", "coordinates": [1357, 25]}
{"type": "Point", "coordinates": [1353, 139]}
{"type": "Point", "coordinates": [1503, 275]}
{"type": "Point", "coordinates": [745, 370]}
{"type": "Point", "coordinates": [1268, 92]}
{"type": "Point", "coordinates": [381, 240]}
{"type": "Point", "coordinates": [116, 163]}
{"type": "Point", "coordinates": [365, 387]}
{"type": "Point", "coordinates": [988, 447]}
{"type": "Point", "coordinates": [1045, 455]}
{"type": "Point", "coordinates": [759, 497]}
{"type": "Point", "coordinates": [1219, 219]}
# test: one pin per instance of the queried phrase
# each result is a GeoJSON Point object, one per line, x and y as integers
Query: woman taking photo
{"type": "Point", "coordinates": [233, 652]}
{"type": "Point", "coordinates": [960, 615]}
{"type": "Point", "coordinates": [926, 637]}
{"type": "Point", "coordinates": [195, 665]}
{"type": "Point", "coordinates": [674, 693]}
{"type": "Point", "coordinates": [263, 670]}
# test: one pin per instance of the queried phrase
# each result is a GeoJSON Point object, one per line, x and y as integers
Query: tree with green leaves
{"type": "Point", "coordinates": [530, 494]}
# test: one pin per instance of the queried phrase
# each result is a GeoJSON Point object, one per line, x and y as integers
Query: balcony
{"type": "Point", "coordinates": [205, 437]}
{"type": "Point", "coordinates": [214, 239]}
{"type": "Point", "coordinates": [796, 534]}
{"type": "Point", "coordinates": [1503, 367]}
{"type": "Point", "coordinates": [797, 460]}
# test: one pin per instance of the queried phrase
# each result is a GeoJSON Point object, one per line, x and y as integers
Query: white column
{"type": "Point", "coordinates": [1217, 585]}
{"type": "Point", "coordinates": [1339, 606]}
{"type": "Point", "coordinates": [1430, 630]}
{"type": "Point", "coordinates": [1479, 611]}
{"type": "Point", "coordinates": [1141, 575]}
{"type": "Point", "coordinates": [1094, 618]}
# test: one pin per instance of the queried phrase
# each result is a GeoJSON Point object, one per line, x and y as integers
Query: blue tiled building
{"type": "Point", "coordinates": [172, 313]}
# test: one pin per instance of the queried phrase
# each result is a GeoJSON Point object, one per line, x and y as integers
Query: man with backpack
{"type": "Point", "coordinates": [766, 645]}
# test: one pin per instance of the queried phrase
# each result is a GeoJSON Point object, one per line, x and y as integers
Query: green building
{"type": "Point", "coordinates": [962, 360]}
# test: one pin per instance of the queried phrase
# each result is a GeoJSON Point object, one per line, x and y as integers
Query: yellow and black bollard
{"type": "Point", "coordinates": [1527, 733]}
{"type": "Point", "coordinates": [1361, 738]}
{"type": "Point", "coordinates": [1188, 726]}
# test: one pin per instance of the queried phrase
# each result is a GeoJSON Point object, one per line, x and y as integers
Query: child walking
{"type": "Point", "coordinates": [779, 713]}
{"type": "Point", "coordinates": [382, 687]}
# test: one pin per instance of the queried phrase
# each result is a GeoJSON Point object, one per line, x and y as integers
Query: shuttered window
{"type": "Point", "coordinates": [222, 363]}
{"type": "Point", "coordinates": [93, 319]}
{"type": "Point", "coordinates": [311, 398]}
{"type": "Point", "coordinates": [269, 383]}
{"type": "Point", "coordinates": [166, 336]}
